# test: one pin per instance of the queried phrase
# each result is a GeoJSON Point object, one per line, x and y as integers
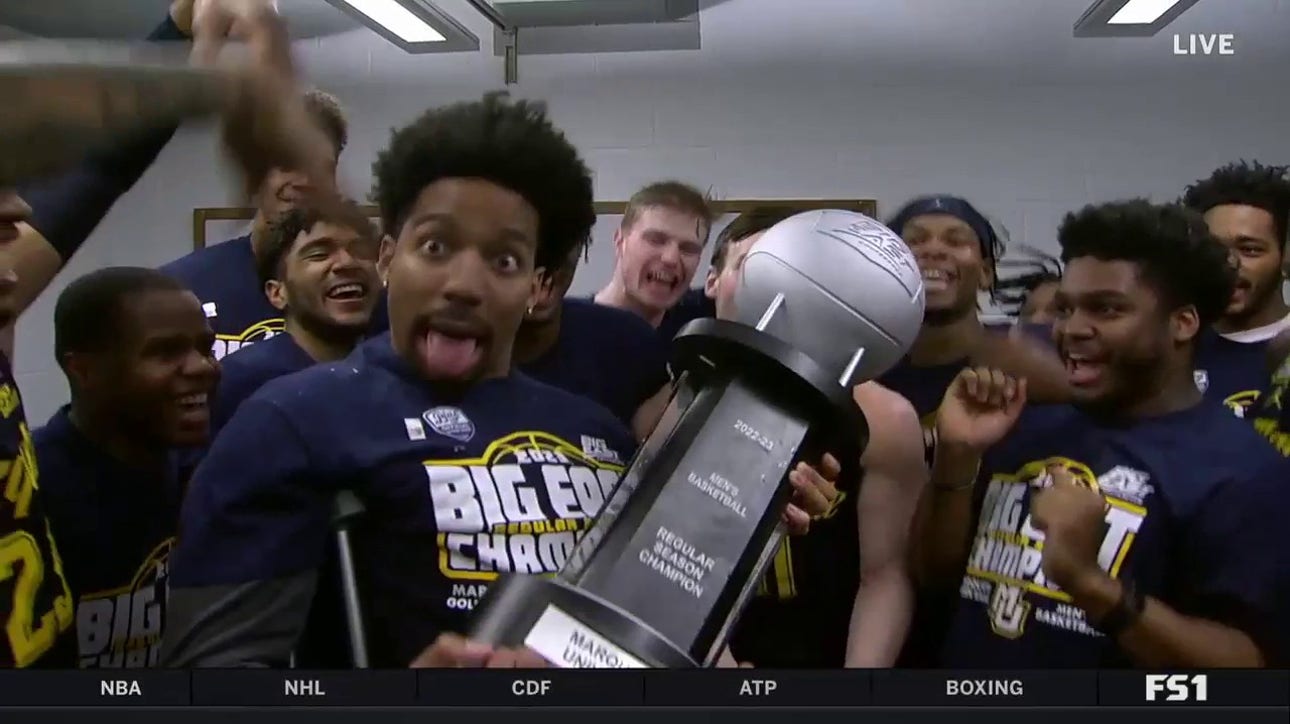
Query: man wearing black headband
{"type": "Point", "coordinates": [956, 249]}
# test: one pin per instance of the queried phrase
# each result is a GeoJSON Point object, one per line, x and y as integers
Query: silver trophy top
{"type": "Point", "coordinates": [837, 286]}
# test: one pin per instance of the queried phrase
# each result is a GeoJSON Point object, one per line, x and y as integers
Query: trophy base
{"type": "Point", "coordinates": [570, 628]}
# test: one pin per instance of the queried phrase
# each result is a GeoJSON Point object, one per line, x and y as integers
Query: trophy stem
{"type": "Point", "coordinates": [681, 543]}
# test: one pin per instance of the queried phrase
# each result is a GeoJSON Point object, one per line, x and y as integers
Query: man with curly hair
{"type": "Point", "coordinates": [1247, 207]}
{"type": "Point", "coordinates": [1113, 531]}
{"type": "Point", "coordinates": [466, 468]}
{"type": "Point", "coordinates": [321, 274]}
{"type": "Point", "coordinates": [224, 275]}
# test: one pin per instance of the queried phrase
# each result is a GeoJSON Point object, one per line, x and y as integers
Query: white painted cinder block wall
{"type": "Point", "coordinates": [1026, 155]}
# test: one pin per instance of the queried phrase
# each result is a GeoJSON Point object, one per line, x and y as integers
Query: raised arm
{"type": "Point", "coordinates": [66, 208]}
{"type": "Point", "coordinates": [107, 119]}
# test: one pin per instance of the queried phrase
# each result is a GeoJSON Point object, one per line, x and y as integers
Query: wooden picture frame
{"type": "Point", "coordinates": [204, 215]}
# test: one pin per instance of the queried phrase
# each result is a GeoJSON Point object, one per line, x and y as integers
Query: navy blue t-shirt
{"type": "Point", "coordinates": [694, 304]}
{"type": "Point", "coordinates": [605, 354]}
{"type": "Point", "coordinates": [243, 374]}
{"type": "Point", "coordinates": [116, 527]}
{"type": "Point", "coordinates": [1164, 480]}
{"type": "Point", "coordinates": [224, 278]}
{"type": "Point", "coordinates": [1231, 372]}
{"type": "Point", "coordinates": [37, 613]}
{"type": "Point", "coordinates": [502, 478]}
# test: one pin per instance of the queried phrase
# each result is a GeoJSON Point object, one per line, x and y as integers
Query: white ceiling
{"type": "Point", "coordinates": [863, 42]}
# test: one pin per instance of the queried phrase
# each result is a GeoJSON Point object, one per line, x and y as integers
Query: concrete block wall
{"type": "Point", "coordinates": [1025, 154]}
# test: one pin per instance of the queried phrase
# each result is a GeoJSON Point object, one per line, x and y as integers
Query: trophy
{"type": "Point", "coordinates": [827, 300]}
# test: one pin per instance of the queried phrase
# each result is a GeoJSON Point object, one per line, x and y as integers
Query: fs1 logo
{"type": "Point", "coordinates": [1177, 687]}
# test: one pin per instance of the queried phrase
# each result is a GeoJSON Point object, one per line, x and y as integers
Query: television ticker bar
{"type": "Point", "coordinates": [564, 688]}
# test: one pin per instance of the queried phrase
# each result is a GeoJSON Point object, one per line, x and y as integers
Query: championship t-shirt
{"type": "Point", "coordinates": [36, 605]}
{"type": "Point", "coordinates": [223, 277]}
{"type": "Point", "coordinates": [605, 354]}
{"type": "Point", "coordinates": [503, 477]}
{"type": "Point", "coordinates": [1232, 369]}
{"type": "Point", "coordinates": [1166, 529]}
{"type": "Point", "coordinates": [242, 375]}
{"type": "Point", "coordinates": [925, 389]}
{"type": "Point", "coordinates": [116, 529]}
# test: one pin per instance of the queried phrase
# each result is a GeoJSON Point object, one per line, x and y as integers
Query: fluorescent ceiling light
{"type": "Point", "coordinates": [416, 26]}
{"type": "Point", "coordinates": [1129, 18]}
{"type": "Point", "coordinates": [397, 19]}
{"type": "Point", "coordinates": [1141, 12]}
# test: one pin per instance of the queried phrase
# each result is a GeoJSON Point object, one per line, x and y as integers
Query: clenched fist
{"type": "Point", "coordinates": [1072, 518]}
{"type": "Point", "coordinates": [979, 408]}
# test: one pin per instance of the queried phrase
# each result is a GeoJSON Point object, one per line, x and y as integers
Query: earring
{"type": "Point", "coordinates": [529, 312]}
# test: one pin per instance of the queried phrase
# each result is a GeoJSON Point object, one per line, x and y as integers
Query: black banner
{"type": "Point", "coordinates": [572, 688]}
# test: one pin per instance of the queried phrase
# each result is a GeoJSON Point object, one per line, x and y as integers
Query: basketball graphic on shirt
{"type": "Point", "coordinates": [121, 629]}
{"type": "Point", "coordinates": [1005, 566]}
{"type": "Point", "coordinates": [226, 344]}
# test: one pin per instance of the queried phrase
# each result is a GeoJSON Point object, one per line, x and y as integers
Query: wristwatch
{"type": "Point", "coordinates": [1125, 612]}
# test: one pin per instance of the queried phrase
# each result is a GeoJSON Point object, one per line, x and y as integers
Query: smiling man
{"type": "Point", "coordinates": [466, 467]}
{"type": "Point", "coordinates": [658, 248]}
{"type": "Point", "coordinates": [137, 353]}
{"type": "Point", "coordinates": [322, 275]}
{"type": "Point", "coordinates": [1098, 534]}
{"type": "Point", "coordinates": [224, 275]}
{"type": "Point", "coordinates": [1247, 207]}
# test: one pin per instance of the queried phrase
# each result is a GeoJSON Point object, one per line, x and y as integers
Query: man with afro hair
{"type": "Point", "coordinates": [466, 468]}
{"type": "Point", "coordinates": [1247, 207]}
{"type": "Point", "coordinates": [1111, 532]}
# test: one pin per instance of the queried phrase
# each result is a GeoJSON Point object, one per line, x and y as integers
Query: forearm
{"type": "Point", "coordinates": [943, 523]}
{"type": "Point", "coordinates": [67, 208]}
{"type": "Point", "coordinates": [1023, 357]}
{"type": "Point", "coordinates": [1163, 638]}
{"type": "Point", "coordinates": [650, 412]}
{"type": "Point", "coordinates": [880, 620]}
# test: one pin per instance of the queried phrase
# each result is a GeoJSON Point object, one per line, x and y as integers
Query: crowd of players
{"type": "Point", "coordinates": [1100, 482]}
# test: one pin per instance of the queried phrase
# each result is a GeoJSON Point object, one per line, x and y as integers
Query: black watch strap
{"type": "Point", "coordinates": [1126, 610]}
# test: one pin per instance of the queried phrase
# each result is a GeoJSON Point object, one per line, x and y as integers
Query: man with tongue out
{"type": "Point", "coordinates": [1104, 533]}
{"type": "Point", "coordinates": [466, 467]}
